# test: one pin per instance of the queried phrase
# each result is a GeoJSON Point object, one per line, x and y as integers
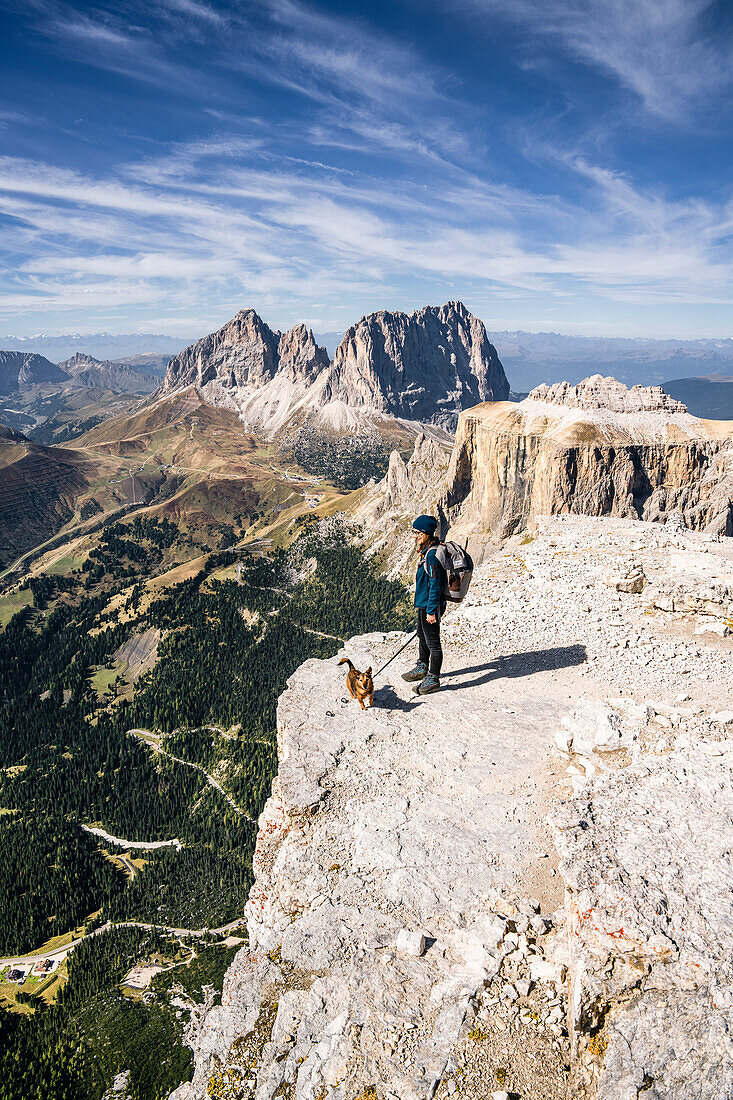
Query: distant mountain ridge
{"type": "Point", "coordinates": [24, 368]}
{"type": "Point", "coordinates": [106, 375]}
{"type": "Point", "coordinates": [103, 345]}
{"type": "Point", "coordinates": [711, 398]}
{"type": "Point", "coordinates": [424, 366]}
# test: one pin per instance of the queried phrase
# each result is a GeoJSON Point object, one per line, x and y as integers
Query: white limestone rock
{"type": "Point", "coordinates": [598, 392]}
{"type": "Point", "coordinates": [714, 627]}
{"type": "Point", "coordinates": [594, 727]}
{"type": "Point", "coordinates": [643, 887]}
{"type": "Point", "coordinates": [410, 943]}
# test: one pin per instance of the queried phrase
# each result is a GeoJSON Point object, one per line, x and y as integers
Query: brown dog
{"type": "Point", "coordinates": [360, 684]}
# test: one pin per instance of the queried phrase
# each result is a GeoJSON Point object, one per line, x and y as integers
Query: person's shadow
{"type": "Point", "coordinates": [509, 666]}
{"type": "Point", "coordinates": [386, 698]}
{"type": "Point", "coordinates": [518, 664]}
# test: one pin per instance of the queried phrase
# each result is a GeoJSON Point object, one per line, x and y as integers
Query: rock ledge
{"type": "Point", "coordinates": [418, 929]}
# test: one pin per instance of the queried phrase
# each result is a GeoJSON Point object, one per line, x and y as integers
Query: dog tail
{"type": "Point", "coordinates": [346, 661]}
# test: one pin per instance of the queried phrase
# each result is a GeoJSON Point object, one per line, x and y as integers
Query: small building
{"type": "Point", "coordinates": [44, 967]}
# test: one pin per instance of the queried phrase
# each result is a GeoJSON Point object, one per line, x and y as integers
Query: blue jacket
{"type": "Point", "coordinates": [429, 589]}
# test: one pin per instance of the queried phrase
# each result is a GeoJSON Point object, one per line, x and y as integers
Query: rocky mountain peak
{"type": "Point", "coordinates": [426, 365]}
{"type": "Point", "coordinates": [94, 373]}
{"type": "Point", "coordinates": [81, 361]}
{"type": "Point", "coordinates": [19, 369]}
{"type": "Point", "coordinates": [246, 354]}
{"type": "Point", "coordinates": [300, 356]}
{"type": "Point", "coordinates": [598, 392]}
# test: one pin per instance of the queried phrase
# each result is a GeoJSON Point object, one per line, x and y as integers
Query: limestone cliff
{"type": "Point", "coordinates": [386, 511]}
{"type": "Point", "coordinates": [594, 449]}
{"type": "Point", "coordinates": [502, 886]}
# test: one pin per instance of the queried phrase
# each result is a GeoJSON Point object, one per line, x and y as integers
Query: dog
{"type": "Point", "coordinates": [360, 684]}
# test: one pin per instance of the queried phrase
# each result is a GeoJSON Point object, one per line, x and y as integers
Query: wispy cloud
{"type": "Point", "coordinates": [346, 53]}
{"type": "Point", "coordinates": [84, 29]}
{"type": "Point", "coordinates": [196, 9]}
{"type": "Point", "coordinates": [373, 92]}
{"type": "Point", "coordinates": [274, 232]}
{"type": "Point", "coordinates": [660, 49]}
{"type": "Point", "coordinates": [125, 46]}
{"type": "Point", "coordinates": [324, 169]}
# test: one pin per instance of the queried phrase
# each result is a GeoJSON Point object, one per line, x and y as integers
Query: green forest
{"type": "Point", "coordinates": [68, 759]}
{"type": "Point", "coordinates": [72, 1049]}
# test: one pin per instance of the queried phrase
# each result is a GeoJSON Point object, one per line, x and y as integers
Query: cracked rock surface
{"type": "Point", "coordinates": [417, 928]}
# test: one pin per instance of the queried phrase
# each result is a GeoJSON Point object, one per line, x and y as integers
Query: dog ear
{"type": "Point", "coordinates": [369, 671]}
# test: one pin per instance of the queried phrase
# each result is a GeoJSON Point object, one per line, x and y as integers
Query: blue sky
{"type": "Point", "coordinates": [556, 164]}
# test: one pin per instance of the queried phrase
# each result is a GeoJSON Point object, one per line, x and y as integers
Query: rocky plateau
{"type": "Point", "coordinates": [520, 886]}
{"type": "Point", "coordinates": [593, 449]}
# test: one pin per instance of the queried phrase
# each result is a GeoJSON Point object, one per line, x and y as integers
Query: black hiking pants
{"type": "Point", "coordinates": [428, 635]}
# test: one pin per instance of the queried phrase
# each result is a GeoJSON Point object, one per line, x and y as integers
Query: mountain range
{"type": "Point", "coordinates": [424, 366]}
{"type": "Point", "coordinates": [53, 402]}
{"type": "Point", "coordinates": [104, 345]}
{"type": "Point", "coordinates": [529, 358]}
{"type": "Point", "coordinates": [21, 370]}
{"type": "Point", "coordinates": [532, 358]}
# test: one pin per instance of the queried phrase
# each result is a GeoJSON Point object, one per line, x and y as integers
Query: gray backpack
{"type": "Point", "coordinates": [457, 570]}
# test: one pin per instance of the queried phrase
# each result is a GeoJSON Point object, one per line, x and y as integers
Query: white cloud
{"type": "Point", "coordinates": [347, 54]}
{"type": "Point", "coordinates": [197, 10]}
{"type": "Point", "coordinates": [375, 187]}
{"type": "Point", "coordinates": [98, 34]}
{"type": "Point", "coordinates": [282, 237]}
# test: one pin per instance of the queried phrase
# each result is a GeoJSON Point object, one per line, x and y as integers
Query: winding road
{"type": "Point", "coordinates": [148, 845]}
{"type": "Point", "coordinates": [145, 735]}
{"type": "Point", "coordinates": [320, 634]}
{"type": "Point", "coordinates": [60, 953]}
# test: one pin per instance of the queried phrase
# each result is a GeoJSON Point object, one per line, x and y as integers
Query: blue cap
{"type": "Point", "coordinates": [427, 524]}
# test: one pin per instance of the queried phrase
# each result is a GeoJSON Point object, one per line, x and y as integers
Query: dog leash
{"type": "Point", "coordinates": [410, 639]}
{"type": "Point", "coordinates": [389, 662]}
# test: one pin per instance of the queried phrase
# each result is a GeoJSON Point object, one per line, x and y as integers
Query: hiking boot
{"type": "Point", "coordinates": [430, 684]}
{"type": "Point", "coordinates": [419, 672]}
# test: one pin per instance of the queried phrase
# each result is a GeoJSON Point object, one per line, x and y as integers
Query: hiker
{"type": "Point", "coordinates": [430, 605]}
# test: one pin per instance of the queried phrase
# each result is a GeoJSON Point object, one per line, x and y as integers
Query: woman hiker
{"type": "Point", "coordinates": [430, 605]}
